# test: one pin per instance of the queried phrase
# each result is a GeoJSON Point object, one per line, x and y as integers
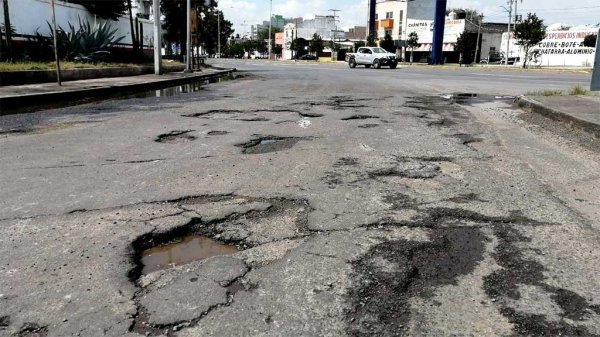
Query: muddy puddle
{"type": "Point", "coordinates": [189, 249]}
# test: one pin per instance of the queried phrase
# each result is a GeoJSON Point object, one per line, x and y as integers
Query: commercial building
{"type": "Point", "coordinates": [323, 25]}
{"type": "Point", "coordinates": [562, 47]}
{"type": "Point", "coordinates": [392, 16]}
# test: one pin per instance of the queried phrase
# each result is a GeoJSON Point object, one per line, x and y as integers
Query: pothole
{"type": "Point", "coordinates": [190, 248]}
{"type": "Point", "coordinates": [175, 137]}
{"type": "Point", "coordinates": [217, 133]}
{"type": "Point", "coordinates": [310, 114]}
{"type": "Point", "coordinates": [368, 126]}
{"type": "Point", "coordinates": [184, 272]}
{"type": "Point", "coordinates": [214, 112]}
{"type": "Point", "coordinates": [467, 98]}
{"type": "Point", "coordinates": [359, 117]}
{"type": "Point", "coordinates": [268, 144]}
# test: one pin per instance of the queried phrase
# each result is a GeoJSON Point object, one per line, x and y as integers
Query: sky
{"type": "Point", "coordinates": [245, 13]}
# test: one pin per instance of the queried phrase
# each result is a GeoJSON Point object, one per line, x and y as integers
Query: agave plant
{"type": "Point", "coordinates": [85, 40]}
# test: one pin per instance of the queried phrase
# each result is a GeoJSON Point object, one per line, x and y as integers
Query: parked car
{"type": "Point", "coordinates": [307, 57]}
{"type": "Point", "coordinates": [372, 56]}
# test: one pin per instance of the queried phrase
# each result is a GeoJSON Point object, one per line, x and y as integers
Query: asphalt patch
{"type": "Point", "coordinates": [380, 303]}
{"type": "Point", "coordinates": [176, 136]}
{"type": "Point", "coordinates": [518, 270]}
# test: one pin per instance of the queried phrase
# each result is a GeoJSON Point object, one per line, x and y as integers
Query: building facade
{"type": "Point", "coordinates": [392, 16]}
{"type": "Point", "coordinates": [30, 17]}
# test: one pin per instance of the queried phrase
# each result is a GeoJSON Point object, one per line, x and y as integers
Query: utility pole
{"type": "Point", "coordinates": [188, 43]}
{"type": "Point", "coordinates": [219, 33]}
{"type": "Point", "coordinates": [55, 33]}
{"type": "Point", "coordinates": [510, 9]}
{"type": "Point", "coordinates": [596, 74]}
{"type": "Point", "coordinates": [478, 37]}
{"type": "Point", "coordinates": [335, 27]}
{"type": "Point", "coordinates": [157, 38]}
{"type": "Point", "coordinates": [270, 27]}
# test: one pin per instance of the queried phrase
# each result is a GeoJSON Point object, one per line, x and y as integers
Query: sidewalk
{"type": "Point", "coordinates": [580, 111]}
{"type": "Point", "coordinates": [23, 96]}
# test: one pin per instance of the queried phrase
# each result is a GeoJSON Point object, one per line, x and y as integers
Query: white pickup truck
{"type": "Point", "coordinates": [372, 56]}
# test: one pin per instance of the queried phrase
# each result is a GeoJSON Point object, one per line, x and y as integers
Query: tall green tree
{"type": "Point", "coordinates": [529, 33]}
{"type": "Point", "coordinates": [388, 44]}
{"type": "Point", "coordinates": [465, 45]}
{"type": "Point", "coordinates": [106, 9]}
{"type": "Point", "coordinates": [209, 29]}
{"type": "Point", "coordinates": [316, 45]}
{"type": "Point", "coordinates": [412, 43]}
{"type": "Point", "coordinates": [299, 45]}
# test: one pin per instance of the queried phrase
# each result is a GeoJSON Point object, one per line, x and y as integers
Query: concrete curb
{"type": "Point", "coordinates": [44, 98]}
{"type": "Point", "coordinates": [558, 115]}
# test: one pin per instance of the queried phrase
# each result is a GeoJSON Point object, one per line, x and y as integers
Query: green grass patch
{"type": "Point", "coordinates": [24, 65]}
{"type": "Point", "coordinates": [577, 90]}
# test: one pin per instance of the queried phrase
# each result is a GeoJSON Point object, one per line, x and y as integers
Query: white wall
{"type": "Point", "coordinates": [559, 49]}
{"type": "Point", "coordinates": [31, 16]}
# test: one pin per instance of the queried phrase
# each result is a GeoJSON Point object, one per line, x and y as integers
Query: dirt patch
{"type": "Point", "coordinates": [177, 136]}
{"type": "Point", "coordinates": [266, 144]}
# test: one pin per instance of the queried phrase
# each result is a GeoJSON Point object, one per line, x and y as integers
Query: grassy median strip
{"type": "Point", "coordinates": [29, 65]}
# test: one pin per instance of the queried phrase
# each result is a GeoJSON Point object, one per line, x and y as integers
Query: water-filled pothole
{"type": "Point", "coordinates": [268, 144]}
{"type": "Point", "coordinates": [189, 249]}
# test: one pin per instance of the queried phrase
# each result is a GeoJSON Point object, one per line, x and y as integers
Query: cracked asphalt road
{"type": "Point", "coordinates": [363, 203]}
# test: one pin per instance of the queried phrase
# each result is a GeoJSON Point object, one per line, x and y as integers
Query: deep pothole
{"type": "Point", "coordinates": [266, 144]}
{"type": "Point", "coordinates": [184, 272]}
{"type": "Point", "coordinates": [176, 136]}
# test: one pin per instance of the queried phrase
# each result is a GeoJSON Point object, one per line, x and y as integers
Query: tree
{"type": "Point", "coordinates": [388, 44]}
{"type": "Point", "coordinates": [263, 34]}
{"type": "Point", "coordinates": [316, 45]}
{"type": "Point", "coordinates": [371, 41]}
{"type": "Point", "coordinates": [590, 40]}
{"type": "Point", "coordinates": [359, 44]}
{"type": "Point", "coordinates": [412, 43]}
{"type": "Point", "coordinates": [465, 45]}
{"type": "Point", "coordinates": [106, 9]}
{"type": "Point", "coordinates": [299, 46]}
{"type": "Point", "coordinates": [528, 33]}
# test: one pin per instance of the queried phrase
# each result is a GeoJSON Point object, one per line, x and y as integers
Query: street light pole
{"type": "Point", "coordinates": [188, 47]}
{"type": "Point", "coordinates": [270, 27]}
{"type": "Point", "coordinates": [478, 37]}
{"type": "Point", "coordinates": [157, 38]}
{"type": "Point", "coordinates": [58, 79]}
{"type": "Point", "coordinates": [219, 33]}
